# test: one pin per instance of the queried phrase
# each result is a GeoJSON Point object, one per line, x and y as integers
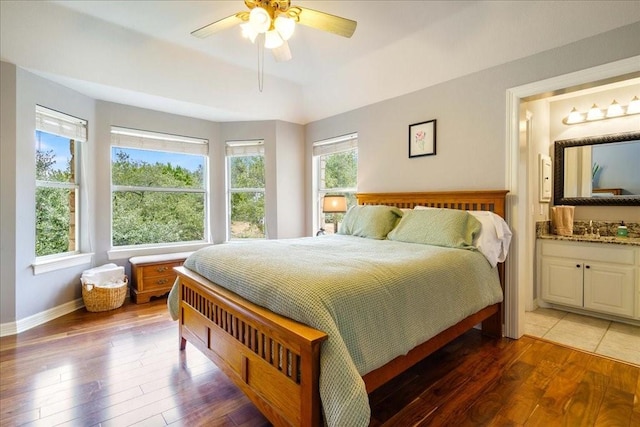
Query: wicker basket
{"type": "Point", "coordinates": [97, 298]}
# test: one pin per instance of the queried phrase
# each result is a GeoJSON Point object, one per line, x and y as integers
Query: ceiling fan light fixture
{"type": "Point", "coordinates": [272, 40]}
{"type": "Point", "coordinates": [285, 26]}
{"type": "Point", "coordinates": [260, 20]}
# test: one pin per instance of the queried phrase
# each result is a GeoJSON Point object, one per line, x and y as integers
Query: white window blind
{"type": "Point", "coordinates": [145, 140]}
{"type": "Point", "coordinates": [245, 148]}
{"type": "Point", "coordinates": [335, 145]}
{"type": "Point", "coordinates": [60, 124]}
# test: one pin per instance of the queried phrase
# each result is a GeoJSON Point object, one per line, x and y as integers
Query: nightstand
{"type": "Point", "coordinates": [153, 275]}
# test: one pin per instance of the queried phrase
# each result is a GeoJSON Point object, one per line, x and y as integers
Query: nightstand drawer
{"type": "Point", "coordinates": [158, 282]}
{"type": "Point", "coordinates": [163, 269]}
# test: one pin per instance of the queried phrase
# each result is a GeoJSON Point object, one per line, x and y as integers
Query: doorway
{"type": "Point", "coordinates": [520, 209]}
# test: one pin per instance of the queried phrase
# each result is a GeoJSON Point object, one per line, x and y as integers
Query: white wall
{"type": "Point", "coordinates": [38, 297]}
{"type": "Point", "coordinates": [35, 294]}
{"type": "Point", "coordinates": [290, 188]}
{"type": "Point", "coordinates": [8, 213]}
{"type": "Point", "coordinates": [470, 113]}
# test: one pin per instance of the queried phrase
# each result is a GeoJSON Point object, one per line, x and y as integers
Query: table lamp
{"type": "Point", "coordinates": [333, 204]}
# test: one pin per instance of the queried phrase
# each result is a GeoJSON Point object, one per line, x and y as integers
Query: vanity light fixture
{"type": "Point", "coordinates": [595, 113]}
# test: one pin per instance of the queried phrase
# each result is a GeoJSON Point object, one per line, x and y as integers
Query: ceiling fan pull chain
{"type": "Point", "coordinates": [260, 44]}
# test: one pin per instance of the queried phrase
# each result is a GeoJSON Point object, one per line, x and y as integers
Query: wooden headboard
{"type": "Point", "coordinates": [481, 200]}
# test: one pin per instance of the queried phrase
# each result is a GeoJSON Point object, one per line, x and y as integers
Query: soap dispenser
{"type": "Point", "coordinates": [622, 230]}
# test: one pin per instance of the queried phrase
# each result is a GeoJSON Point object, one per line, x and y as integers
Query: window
{"type": "Point", "coordinates": [336, 167]}
{"type": "Point", "coordinates": [245, 190]}
{"type": "Point", "coordinates": [58, 137]}
{"type": "Point", "coordinates": [158, 188]}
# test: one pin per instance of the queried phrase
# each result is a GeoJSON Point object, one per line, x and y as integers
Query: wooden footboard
{"type": "Point", "coordinates": [275, 360]}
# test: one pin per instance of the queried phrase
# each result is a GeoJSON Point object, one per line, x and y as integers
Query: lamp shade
{"type": "Point", "coordinates": [634, 106]}
{"type": "Point", "coordinates": [594, 113]}
{"type": "Point", "coordinates": [334, 204]}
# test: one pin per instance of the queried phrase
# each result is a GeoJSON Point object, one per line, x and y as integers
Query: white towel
{"type": "Point", "coordinates": [107, 275]}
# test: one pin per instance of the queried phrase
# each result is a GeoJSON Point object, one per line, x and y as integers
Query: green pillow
{"type": "Point", "coordinates": [439, 227]}
{"type": "Point", "coordinates": [374, 222]}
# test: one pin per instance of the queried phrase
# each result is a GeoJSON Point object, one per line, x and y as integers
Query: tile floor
{"type": "Point", "coordinates": [617, 340]}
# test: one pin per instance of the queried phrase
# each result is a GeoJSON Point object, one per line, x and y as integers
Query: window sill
{"type": "Point", "coordinates": [52, 264]}
{"type": "Point", "coordinates": [126, 253]}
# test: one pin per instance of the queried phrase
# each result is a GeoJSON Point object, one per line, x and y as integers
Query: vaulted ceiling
{"type": "Point", "coordinates": [141, 53]}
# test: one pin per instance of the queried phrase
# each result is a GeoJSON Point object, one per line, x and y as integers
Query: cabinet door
{"type": "Point", "coordinates": [562, 281]}
{"type": "Point", "coordinates": [609, 288]}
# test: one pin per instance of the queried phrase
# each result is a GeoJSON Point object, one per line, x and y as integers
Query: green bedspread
{"type": "Point", "coordinates": [376, 299]}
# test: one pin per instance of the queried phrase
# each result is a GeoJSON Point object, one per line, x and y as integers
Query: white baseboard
{"type": "Point", "coordinates": [27, 323]}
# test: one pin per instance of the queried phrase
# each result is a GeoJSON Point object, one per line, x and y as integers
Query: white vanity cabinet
{"type": "Point", "coordinates": [598, 277]}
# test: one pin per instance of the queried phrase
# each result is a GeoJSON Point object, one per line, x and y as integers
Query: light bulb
{"type": "Point", "coordinates": [285, 26]}
{"type": "Point", "coordinates": [574, 117]}
{"type": "Point", "coordinates": [272, 40]}
{"type": "Point", "coordinates": [594, 113]}
{"type": "Point", "coordinates": [259, 19]}
{"type": "Point", "coordinates": [634, 106]}
{"type": "Point", "coordinates": [614, 109]}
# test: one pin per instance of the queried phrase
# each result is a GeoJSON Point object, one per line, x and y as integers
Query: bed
{"type": "Point", "coordinates": [299, 372]}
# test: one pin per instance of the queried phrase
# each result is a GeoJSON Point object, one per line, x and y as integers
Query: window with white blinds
{"type": "Point", "coordinates": [159, 188]}
{"type": "Point", "coordinates": [336, 173]}
{"type": "Point", "coordinates": [60, 124]}
{"type": "Point", "coordinates": [145, 140]}
{"type": "Point", "coordinates": [58, 164]}
{"type": "Point", "coordinates": [245, 148]}
{"type": "Point", "coordinates": [245, 190]}
{"type": "Point", "coordinates": [336, 145]}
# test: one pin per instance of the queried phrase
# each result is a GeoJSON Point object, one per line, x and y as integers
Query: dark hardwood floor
{"type": "Point", "coordinates": [123, 367]}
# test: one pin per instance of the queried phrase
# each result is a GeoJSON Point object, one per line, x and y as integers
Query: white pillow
{"type": "Point", "coordinates": [494, 238]}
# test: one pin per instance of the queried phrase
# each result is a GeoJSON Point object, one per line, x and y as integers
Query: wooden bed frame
{"type": "Point", "coordinates": [275, 360]}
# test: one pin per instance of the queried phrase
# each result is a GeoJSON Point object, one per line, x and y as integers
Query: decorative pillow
{"type": "Point", "coordinates": [439, 227]}
{"type": "Point", "coordinates": [374, 222]}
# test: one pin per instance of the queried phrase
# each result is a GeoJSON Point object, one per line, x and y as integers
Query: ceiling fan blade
{"type": "Point", "coordinates": [282, 53]}
{"type": "Point", "coordinates": [220, 25]}
{"type": "Point", "coordinates": [326, 22]}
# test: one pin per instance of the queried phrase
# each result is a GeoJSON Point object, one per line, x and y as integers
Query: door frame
{"type": "Point", "coordinates": [519, 269]}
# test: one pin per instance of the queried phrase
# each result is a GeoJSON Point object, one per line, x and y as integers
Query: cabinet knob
{"type": "Point", "coordinates": [587, 266]}
{"type": "Point", "coordinates": [578, 265]}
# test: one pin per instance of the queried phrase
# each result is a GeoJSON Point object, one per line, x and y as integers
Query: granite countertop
{"type": "Point", "coordinates": [630, 241]}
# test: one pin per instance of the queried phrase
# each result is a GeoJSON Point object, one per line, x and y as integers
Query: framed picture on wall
{"type": "Point", "coordinates": [422, 139]}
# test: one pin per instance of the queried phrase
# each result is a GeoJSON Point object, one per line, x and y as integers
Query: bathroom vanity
{"type": "Point", "coordinates": [590, 275]}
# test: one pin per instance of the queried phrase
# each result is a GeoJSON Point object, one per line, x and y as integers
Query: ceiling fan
{"type": "Point", "coordinates": [274, 21]}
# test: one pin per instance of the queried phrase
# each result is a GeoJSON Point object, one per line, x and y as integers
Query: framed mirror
{"type": "Point", "coordinates": [598, 170]}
